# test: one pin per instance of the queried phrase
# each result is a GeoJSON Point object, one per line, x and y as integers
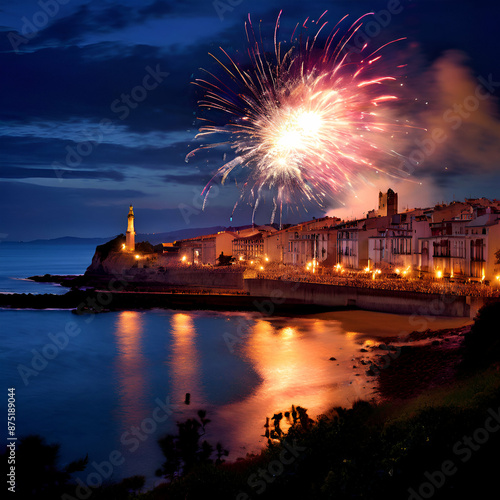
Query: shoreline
{"type": "Point", "coordinates": [101, 293]}
{"type": "Point", "coordinates": [93, 300]}
{"type": "Point", "coordinates": [415, 340]}
{"type": "Point", "coordinates": [392, 325]}
{"type": "Point", "coordinates": [405, 368]}
{"type": "Point", "coordinates": [419, 368]}
{"type": "Point", "coordinates": [99, 301]}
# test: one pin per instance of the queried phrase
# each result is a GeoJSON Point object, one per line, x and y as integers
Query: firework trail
{"type": "Point", "coordinates": [306, 122]}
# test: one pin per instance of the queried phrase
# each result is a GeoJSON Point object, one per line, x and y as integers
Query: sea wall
{"type": "Point", "coordinates": [370, 299]}
{"type": "Point", "coordinates": [193, 278]}
{"type": "Point", "coordinates": [153, 271]}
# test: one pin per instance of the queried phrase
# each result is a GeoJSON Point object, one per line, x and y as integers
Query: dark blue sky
{"type": "Point", "coordinates": [75, 152]}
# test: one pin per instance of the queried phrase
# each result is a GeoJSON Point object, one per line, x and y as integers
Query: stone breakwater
{"type": "Point", "coordinates": [260, 295]}
{"type": "Point", "coordinates": [101, 300]}
{"type": "Point", "coordinates": [370, 299]}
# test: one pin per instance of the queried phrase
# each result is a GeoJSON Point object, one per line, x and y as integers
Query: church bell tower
{"type": "Point", "coordinates": [130, 238]}
{"type": "Point", "coordinates": [387, 203]}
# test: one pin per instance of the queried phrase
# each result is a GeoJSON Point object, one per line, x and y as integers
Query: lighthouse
{"type": "Point", "coordinates": [130, 239]}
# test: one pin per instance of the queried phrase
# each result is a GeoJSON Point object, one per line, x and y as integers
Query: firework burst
{"type": "Point", "coordinates": [307, 122]}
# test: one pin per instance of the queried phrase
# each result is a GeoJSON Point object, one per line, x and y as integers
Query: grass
{"type": "Point", "coordinates": [474, 391]}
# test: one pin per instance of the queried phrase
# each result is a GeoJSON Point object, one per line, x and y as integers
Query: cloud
{"type": "Point", "coordinates": [86, 20]}
{"type": "Point", "coordinates": [189, 178]}
{"type": "Point", "coordinates": [156, 9]}
{"type": "Point", "coordinates": [68, 83]}
{"type": "Point", "coordinates": [63, 83]}
{"type": "Point", "coordinates": [79, 131]}
{"type": "Point", "coordinates": [91, 19]}
{"type": "Point", "coordinates": [41, 211]}
{"type": "Point", "coordinates": [48, 152]}
{"type": "Point", "coordinates": [35, 173]}
{"type": "Point", "coordinates": [462, 122]}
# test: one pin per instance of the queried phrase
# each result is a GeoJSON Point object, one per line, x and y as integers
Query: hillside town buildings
{"type": "Point", "coordinates": [455, 241]}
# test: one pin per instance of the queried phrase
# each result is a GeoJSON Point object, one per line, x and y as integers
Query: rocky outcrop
{"type": "Point", "coordinates": [154, 269]}
{"type": "Point", "coordinates": [112, 264]}
{"type": "Point", "coordinates": [109, 259]}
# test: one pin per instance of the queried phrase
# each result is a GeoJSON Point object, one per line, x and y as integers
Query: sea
{"type": "Point", "coordinates": [109, 385]}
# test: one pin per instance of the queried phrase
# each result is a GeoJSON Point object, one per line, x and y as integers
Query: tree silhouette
{"type": "Point", "coordinates": [225, 260]}
{"type": "Point", "coordinates": [184, 451]}
{"type": "Point", "coordinates": [37, 472]}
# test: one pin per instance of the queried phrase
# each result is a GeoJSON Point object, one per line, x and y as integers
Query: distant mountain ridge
{"type": "Point", "coordinates": [153, 238]}
{"type": "Point", "coordinates": [180, 234]}
{"type": "Point", "coordinates": [65, 240]}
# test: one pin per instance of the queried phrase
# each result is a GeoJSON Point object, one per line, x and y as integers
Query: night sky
{"type": "Point", "coordinates": [75, 154]}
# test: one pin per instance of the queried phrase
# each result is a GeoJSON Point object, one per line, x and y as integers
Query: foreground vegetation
{"type": "Point", "coordinates": [371, 451]}
{"type": "Point", "coordinates": [441, 444]}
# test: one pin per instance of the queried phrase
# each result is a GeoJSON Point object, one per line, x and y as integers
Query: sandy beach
{"type": "Point", "coordinates": [392, 325]}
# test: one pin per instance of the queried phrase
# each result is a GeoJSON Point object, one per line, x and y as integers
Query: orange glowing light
{"type": "Point", "coordinates": [185, 358]}
{"type": "Point", "coordinates": [131, 367]}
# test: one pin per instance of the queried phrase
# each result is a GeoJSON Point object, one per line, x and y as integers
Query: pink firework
{"type": "Point", "coordinates": [307, 122]}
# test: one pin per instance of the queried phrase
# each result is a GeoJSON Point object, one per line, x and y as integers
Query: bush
{"type": "Point", "coordinates": [482, 343]}
{"type": "Point", "coordinates": [38, 474]}
{"type": "Point", "coordinates": [113, 245]}
{"type": "Point", "coordinates": [144, 247]}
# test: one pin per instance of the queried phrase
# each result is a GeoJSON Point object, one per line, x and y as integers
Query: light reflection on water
{"type": "Point", "coordinates": [292, 358]}
{"type": "Point", "coordinates": [105, 382]}
{"type": "Point", "coordinates": [184, 362]}
{"type": "Point", "coordinates": [131, 369]}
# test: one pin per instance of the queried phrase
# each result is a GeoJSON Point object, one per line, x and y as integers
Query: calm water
{"type": "Point", "coordinates": [18, 261]}
{"type": "Point", "coordinates": [87, 381]}
{"type": "Point", "coordinates": [107, 379]}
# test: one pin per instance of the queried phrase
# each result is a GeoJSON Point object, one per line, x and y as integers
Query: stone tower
{"type": "Point", "coordinates": [387, 203]}
{"type": "Point", "coordinates": [130, 240]}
